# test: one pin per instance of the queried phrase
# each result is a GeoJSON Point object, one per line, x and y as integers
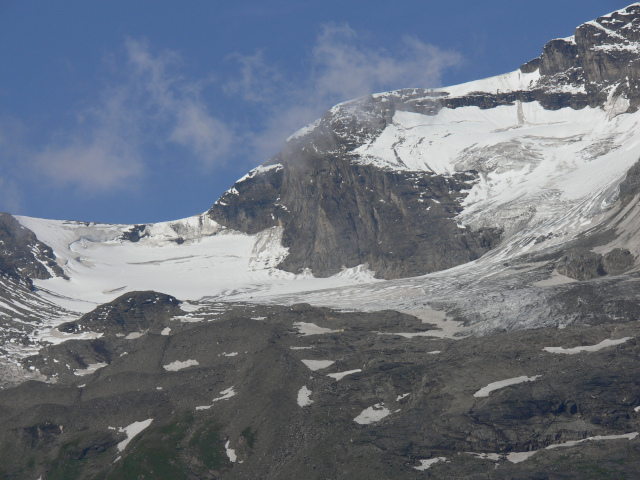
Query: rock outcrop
{"type": "Point", "coordinates": [129, 313]}
{"type": "Point", "coordinates": [22, 256]}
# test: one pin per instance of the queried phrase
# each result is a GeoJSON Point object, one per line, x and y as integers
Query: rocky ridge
{"type": "Point", "coordinates": [383, 226]}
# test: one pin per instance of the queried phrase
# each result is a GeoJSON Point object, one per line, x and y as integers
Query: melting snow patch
{"type": "Point", "coordinates": [627, 436]}
{"type": "Point", "coordinates": [178, 365]}
{"type": "Point", "coordinates": [258, 318]}
{"type": "Point", "coordinates": [226, 394]}
{"type": "Point", "coordinates": [372, 414]}
{"type": "Point", "coordinates": [317, 364]}
{"type": "Point", "coordinates": [637, 409]}
{"type": "Point", "coordinates": [300, 348]}
{"type": "Point", "coordinates": [312, 329]}
{"type": "Point", "coordinates": [90, 369]}
{"type": "Point", "coordinates": [304, 395]}
{"type": "Point", "coordinates": [166, 331]}
{"type": "Point", "coordinates": [232, 354]}
{"type": "Point", "coordinates": [132, 430]}
{"type": "Point", "coordinates": [495, 457]}
{"type": "Point", "coordinates": [341, 375]}
{"type": "Point", "coordinates": [400, 397]}
{"type": "Point", "coordinates": [133, 335]}
{"type": "Point", "coordinates": [231, 453]}
{"type": "Point", "coordinates": [587, 348]}
{"type": "Point", "coordinates": [425, 464]}
{"type": "Point", "coordinates": [185, 319]}
{"type": "Point", "coordinates": [517, 457]}
{"type": "Point", "coordinates": [189, 307]}
{"type": "Point", "coordinates": [485, 391]}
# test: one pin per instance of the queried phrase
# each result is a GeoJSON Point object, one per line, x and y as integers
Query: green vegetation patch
{"type": "Point", "coordinates": [208, 445]}
{"type": "Point", "coordinates": [250, 436]}
{"type": "Point", "coordinates": [69, 463]}
{"type": "Point", "coordinates": [157, 454]}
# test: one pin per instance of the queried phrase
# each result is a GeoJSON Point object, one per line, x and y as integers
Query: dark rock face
{"type": "Point", "coordinates": [600, 54]}
{"type": "Point", "coordinates": [135, 233]}
{"type": "Point", "coordinates": [617, 261]}
{"type": "Point", "coordinates": [630, 186]}
{"type": "Point", "coordinates": [131, 312]}
{"type": "Point", "coordinates": [22, 255]}
{"type": "Point", "coordinates": [582, 264]}
{"type": "Point", "coordinates": [337, 213]}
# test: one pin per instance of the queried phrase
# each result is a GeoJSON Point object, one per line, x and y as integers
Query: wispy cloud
{"type": "Point", "coordinates": [341, 67]}
{"type": "Point", "coordinates": [147, 104]}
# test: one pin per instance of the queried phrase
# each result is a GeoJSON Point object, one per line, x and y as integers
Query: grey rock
{"type": "Point", "coordinates": [581, 264]}
{"type": "Point", "coordinates": [617, 261]}
{"type": "Point", "coordinates": [22, 255]}
{"type": "Point", "coordinates": [130, 312]}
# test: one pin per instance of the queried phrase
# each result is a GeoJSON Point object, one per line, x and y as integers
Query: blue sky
{"type": "Point", "coordinates": [144, 111]}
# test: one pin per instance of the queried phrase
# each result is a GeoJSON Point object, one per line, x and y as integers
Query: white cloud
{"type": "Point", "coordinates": [96, 165]}
{"type": "Point", "coordinates": [342, 67]}
{"type": "Point", "coordinates": [209, 138]}
{"type": "Point", "coordinates": [150, 105]}
{"type": "Point", "coordinates": [258, 81]}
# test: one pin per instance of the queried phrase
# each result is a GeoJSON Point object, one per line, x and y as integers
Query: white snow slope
{"type": "Point", "coordinates": [543, 173]}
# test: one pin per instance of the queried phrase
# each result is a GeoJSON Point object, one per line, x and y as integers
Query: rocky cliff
{"type": "Point", "coordinates": [22, 256]}
{"type": "Point", "coordinates": [401, 222]}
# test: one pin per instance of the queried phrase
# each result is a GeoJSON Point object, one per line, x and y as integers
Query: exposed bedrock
{"type": "Point", "coordinates": [582, 264]}
{"type": "Point", "coordinates": [22, 256]}
{"type": "Point", "coordinates": [339, 214]}
{"type": "Point", "coordinates": [131, 312]}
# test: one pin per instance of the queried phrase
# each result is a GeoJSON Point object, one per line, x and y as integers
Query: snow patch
{"type": "Point", "coordinates": [305, 328]}
{"type": "Point", "coordinates": [132, 430]}
{"type": "Point", "coordinates": [317, 364]}
{"type": "Point", "coordinates": [587, 348]}
{"type": "Point", "coordinates": [485, 391]}
{"type": "Point", "coordinates": [341, 375]}
{"type": "Point", "coordinates": [226, 395]}
{"type": "Point", "coordinates": [231, 453]}
{"type": "Point", "coordinates": [426, 464]}
{"type": "Point", "coordinates": [165, 331]}
{"type": "Point", "coordinates": [372, 414]}
{"type": "Point", "coordinates": [179, 365]}
{"type": "Point", "coordinates": [188, 319]}
{"type": "Point", "coordinates": [90, 369]}
{"type": "Point", "coordinates": [304, 395]}
{"type": "Point", "coordinates": [495, 457]}
{"type": "Point", "coordinates": [517, 457]}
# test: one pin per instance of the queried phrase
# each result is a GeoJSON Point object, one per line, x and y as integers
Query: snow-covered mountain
{"type": "Point", "coordinates": [504, 213]}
